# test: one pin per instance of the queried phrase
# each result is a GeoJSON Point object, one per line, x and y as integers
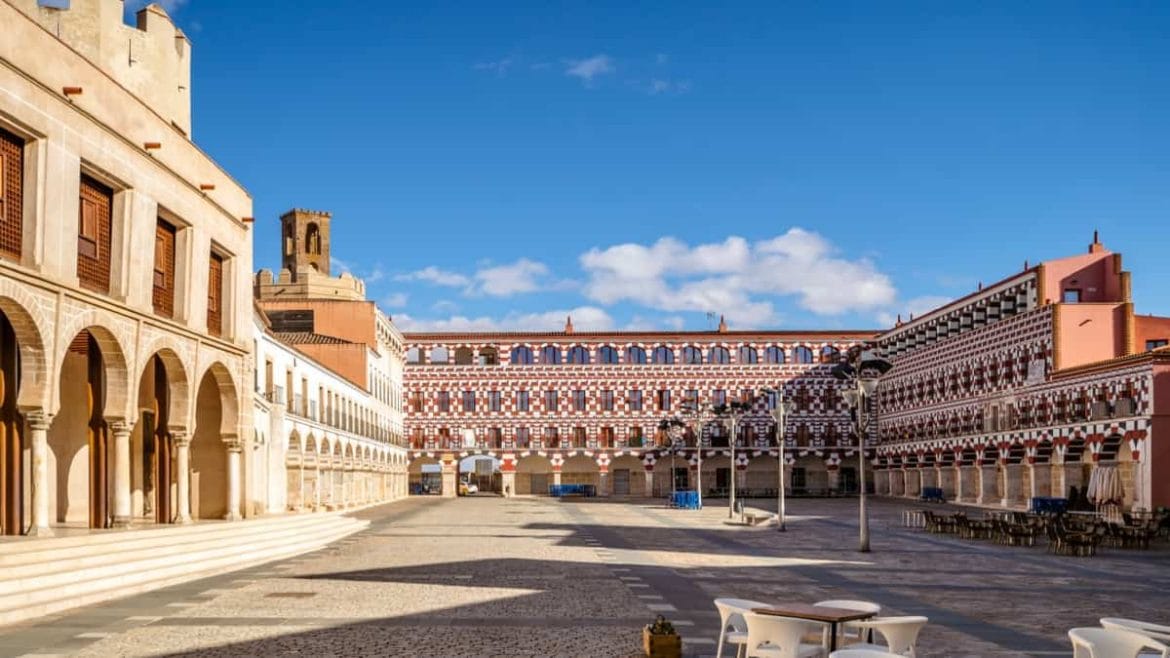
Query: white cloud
{"type": "Point", "coordinates": [735, 277]}
{"type": "Point", "coordinates": [506, 280]}
{"type": "Point", "coordinates": [585, 318]}
{"type": "Point", "coordinates": [911, 307]}
{"type": "Point", "coordinates": [436, 276]}
{"type": "Point", "coordinates": [590, 68]}
{"type": "Point", "coordinates": [395, 300]}
{"type": "Point", "coordinates": [666, 86]}
{"type": "Point", "coordinates": [499, 66]}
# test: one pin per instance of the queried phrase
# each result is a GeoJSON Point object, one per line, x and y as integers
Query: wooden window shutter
{"type": "Point", "coordinates": [93, 235]}
{"type": "Point", "coordinates": [11, 192]}
{"type": "Point", "coordinates": [163, 293]}
{"type": "Point", "coordinates": [215, 296]}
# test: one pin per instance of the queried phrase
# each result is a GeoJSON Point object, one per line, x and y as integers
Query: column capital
{"type": "Point", "coordinates": [38, 419]}
{"type": "Point", "coordinates": [180, 438]}
{"type": "Point", "coordinates": [232, 442]}
{"type": "Point", "coordinates": [120, 425]}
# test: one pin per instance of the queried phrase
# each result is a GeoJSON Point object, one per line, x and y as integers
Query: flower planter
{"type": "Point", "coordinates": [661, 646]}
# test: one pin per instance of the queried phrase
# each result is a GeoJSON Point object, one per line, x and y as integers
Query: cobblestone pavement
{"type": "Point", "coordinates": [484, 576]}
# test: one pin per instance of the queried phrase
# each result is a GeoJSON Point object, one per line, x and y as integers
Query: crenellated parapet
{"type": "Point", "coordinates": [151, 59]}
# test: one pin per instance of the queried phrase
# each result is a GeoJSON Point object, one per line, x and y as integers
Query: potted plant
{"type": "Point", "coordinates": [660, 640]}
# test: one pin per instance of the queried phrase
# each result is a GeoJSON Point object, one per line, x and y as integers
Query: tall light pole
{"type": "Point", "coordinates": [671, 426]}
{"type": "Point", "coordinates": [780, 412]}
{"type": "Point", "coordinates": [861, 372]}
{"type": "Point", "coordinates": [696, 414]}
{"type": "Point", "coordinates": [734, 410]}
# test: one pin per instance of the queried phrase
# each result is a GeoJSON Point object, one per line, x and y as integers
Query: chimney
{"type": "Point", "coordinates": [569, 324]}
{"type": "Point", "coordinates": [722, 325]}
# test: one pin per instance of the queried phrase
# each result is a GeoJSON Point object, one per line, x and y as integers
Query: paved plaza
{"type": "Point", "coordinates": [485, 576]}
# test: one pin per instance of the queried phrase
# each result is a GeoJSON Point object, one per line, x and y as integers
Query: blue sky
{"type": "Point", "coordinates": [788, 165]}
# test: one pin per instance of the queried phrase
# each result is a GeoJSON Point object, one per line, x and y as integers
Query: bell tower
{"type": "Point", "coordinates": [305, 242]}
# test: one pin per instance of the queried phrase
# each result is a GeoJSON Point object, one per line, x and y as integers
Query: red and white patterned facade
{"type": "Point", "coordinates": [1019, 389]}
{"type": "Point", "coordinates": [598, 424]}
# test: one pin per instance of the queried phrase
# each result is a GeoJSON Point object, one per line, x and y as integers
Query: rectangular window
{"type": "Point", "coordinates": [494, 400]}
{"type": "Point", "coordinates": [215, 295]}
{"type": "Point", "coordinates": [664, 400]}
{"type": "Point", "coordinates": [444, 401]}
{"type": "Point", "coordinates": [521, 437]}
{"type": "Point", "coordinates": [1155, 344]}
{"type": "Point", "coordinates": [691, 399]}
{"type": "Point", "coordinates": [636, 436]}
{"type": "Point", "coordinates": [579, 437]}
{"type": "Point", "coordinates": [163, 294]}
{"type": "Point", "coordinates": [550, 401]}
{"type": "Point", "coordinates": [1072, 296]}
{"type": "Point", "coordinates": [579, 400]}
{"type": "Point", "coordinates": [550, 437]}
{"type": "Point", "coordinates": [93, 235]}
{"type": "Point", "coordinates": [718, 397]}
{"type": "Point", "coordinates": [522, 400]}
{"type": "Point", "coordinates": [11, 194]}
{"type": "Point", "coordinates": [469, 400]}
{"type": "Point", "coordinates": [416, 402]}
{"type": "Point", "coordinates": [607, 400]}
{"type": "Point", "coordinates": [635, 400]}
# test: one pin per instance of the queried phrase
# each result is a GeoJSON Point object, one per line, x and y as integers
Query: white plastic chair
{"type": "Point", "coordinates": [849, 604]}
{"type": "Point", "coordinates": [1112, 643]}
{"type": "Point", "coordinates": [731, 615]}
{"type": "Point", "coordinates": [1155, 631]}
{"type": "Point", "coordinates": [900, 633]}
{"type": "Point", "coordinates": [769, 636]}
{"type": "Point", "coordinates": [862, 653]}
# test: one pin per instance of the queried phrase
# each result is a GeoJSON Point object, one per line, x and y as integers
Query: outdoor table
{"type": "Point", "coordinates": [820, 613]}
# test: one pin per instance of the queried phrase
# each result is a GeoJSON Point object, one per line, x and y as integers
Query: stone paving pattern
{"type": "Point", "coordinates": [484, 576]}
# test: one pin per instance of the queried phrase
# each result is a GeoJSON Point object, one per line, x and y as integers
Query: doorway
{"type": "Point", "coordinates": [621, 482]}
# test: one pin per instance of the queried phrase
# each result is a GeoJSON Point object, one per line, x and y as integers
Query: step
{"type": "Point", "coordinates": [11, 550]}
{"type": "Point", "coordinates": [52, 572]}
{"type": "Point", "coordinates": [160, 539]}
{"type": "Point", "coordinates": [183, 567]}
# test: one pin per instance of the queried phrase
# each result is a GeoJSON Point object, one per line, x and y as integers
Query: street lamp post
{"type": "Point", "coordinates": [696, 415]}
{"type": "Point", "coordinates": [671, 426]}
{"type": "Point", "coordinates": [779, 413]}
{"type": "Point", "coordinates": [861, 371]}
{"type": "Point", "coordinates": [735, 410]}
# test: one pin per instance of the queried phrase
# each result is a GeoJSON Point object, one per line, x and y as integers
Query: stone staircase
{"type": "Point", "coordinates": [43, 576]}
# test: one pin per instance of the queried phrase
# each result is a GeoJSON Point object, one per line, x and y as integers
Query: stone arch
{"type": "Point", "coordinates": [213, 437]}
{"type": "Point", "coordinates": [633, 477]}
{"type": "Point", "coordinates": [113, 350]}
{"type": "Point", "coordinates": [35, 385]}
{"type": "Point", "coordinates": [228, 397]}
{"type": "Point", "coordinates": [178, 379]}
{"type": "Point", "coordinates": [533, 475]}
{"type": "Point", "coordinates": [580, 469]}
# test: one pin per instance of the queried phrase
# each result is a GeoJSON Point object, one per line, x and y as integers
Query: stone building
{"type": "Point", "coordinates": [125, 257]}
{"type": "Point", "coordinates": [329, 379]}
{"type": "Point", "coordinates": [584, 408]}
{"type": "Point", "coordinates": [1023, 387]}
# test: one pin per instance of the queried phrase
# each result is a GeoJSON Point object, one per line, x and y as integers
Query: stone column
{"type": "Point", "coordinates": [181, 442]}
{"type": "Point", "coordinates": [450, 484]}
{"type": "Point", "coordinates": [1013, 485]}
{"type": "Point", "coordinates": [508, 482]}
{"type": "Point", "coordinates": [122, 496]}
{"type": "Point", "coordinates": [556, 477]}
{"type": "Point", "coordinates": [986, 492]}
{"type": "Point", "coordinates": [38, 426]}
{"type": "Point", "coordinates": [234, 453]}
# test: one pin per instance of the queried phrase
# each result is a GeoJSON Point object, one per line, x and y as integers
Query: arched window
{"type": "Point", "coordinates": [463, 356]}
{"type": "Point", "coordinates": [312, 239]}
{"type": "Point", "coordinates": [830, 354]}
{"type": "Point", "coordinates": [802, 354]}
{"type": "Point", "coordinates": [748, 354]}
{"type": "Point", "coordinates": [692, 355]}
{"type": "Point", "coordinates": [578, 355]}
{"type": "Point", "coordinates": [774, 354]}
{"type": "Point", "coordinates": [663, 355]}
{"type": "Point", "coordinates": [607, 354]}
{"type": "Point", "coordinates": [522, 355]}
{"type": "Point", "coordinates": [718, 355]}
{"type": "Point", "coordinates": [439, 354]}
{"type": "Point", "coordinates": [550, 354]}
{"type": "Point", "coordinates": [635, 355]}
{"type": "Point", "coordinates": [488, 356]}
